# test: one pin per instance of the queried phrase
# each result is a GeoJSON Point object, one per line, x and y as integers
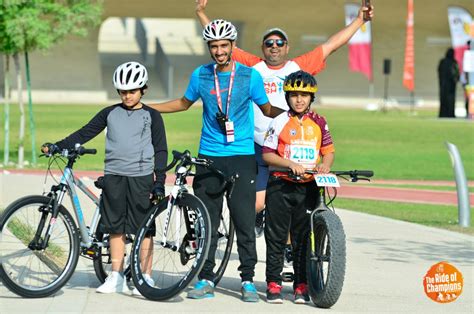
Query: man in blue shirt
{"type": "Point", "coordinates": [228, 90]}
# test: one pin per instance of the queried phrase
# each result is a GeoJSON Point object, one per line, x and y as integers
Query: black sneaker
{"type": "Point", "coordinates": [274, 293]}
{"type": "Point", "coordinates": [259, 223]}
{"type": "Point", "coordinates": [301, 294]}
{"type": "Point", "coordinates": [288, 256]}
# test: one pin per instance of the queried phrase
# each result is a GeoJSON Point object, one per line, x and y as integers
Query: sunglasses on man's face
{"type": "Point", "coordinates": [279, 42]}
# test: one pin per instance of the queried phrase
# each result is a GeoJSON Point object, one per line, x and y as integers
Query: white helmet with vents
{"type": "Point", "coordinates": [130, 75]}
{"type": "Point", "coordinates": [218, 30]}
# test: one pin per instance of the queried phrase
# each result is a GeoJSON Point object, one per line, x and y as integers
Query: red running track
{"type": "Point", "coordinates": [407, 195]}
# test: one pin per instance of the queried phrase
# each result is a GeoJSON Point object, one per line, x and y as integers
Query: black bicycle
{"type": "Point", "coordinates": [326, 251]}
{"type": "Point", "coordinates": [172, 243]}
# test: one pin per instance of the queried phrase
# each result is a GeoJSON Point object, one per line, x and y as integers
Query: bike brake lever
{"type": "Point", "coordinates": [355, 179]}
{"type": "Point", "coordinates": [232, 180]}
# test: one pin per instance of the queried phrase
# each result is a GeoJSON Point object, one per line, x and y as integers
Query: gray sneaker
{"type": "Point", "coordinates": [202, 289]}
{"type": "Point", "coordinates": [249, 292]}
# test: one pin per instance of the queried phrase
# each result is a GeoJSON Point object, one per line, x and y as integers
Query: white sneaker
{"type": "Point", "coordinates": [148, 280]}
{"type": "Point", "coordinates": [114, 283]}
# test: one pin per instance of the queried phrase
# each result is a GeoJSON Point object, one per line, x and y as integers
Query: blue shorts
{"type": "Point", "coordinates": [262, 169]}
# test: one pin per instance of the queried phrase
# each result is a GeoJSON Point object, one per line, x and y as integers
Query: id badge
{"type": "Point", "coordinates": [229, 131]}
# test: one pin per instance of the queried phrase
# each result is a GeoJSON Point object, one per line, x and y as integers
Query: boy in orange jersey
{"type": "Point", "coordinates": [297, 140]}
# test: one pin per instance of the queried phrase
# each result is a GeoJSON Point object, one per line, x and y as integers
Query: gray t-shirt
{"type": "Point", "coordinates": [135, 142]}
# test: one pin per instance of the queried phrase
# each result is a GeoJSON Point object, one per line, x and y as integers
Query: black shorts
{"type": "Point", "coordinates": [124, 203]}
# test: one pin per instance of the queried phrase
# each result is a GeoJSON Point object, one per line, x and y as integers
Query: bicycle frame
{"type": "Point", "coordinates": [178, 188]}
{"type": "Point", "coordinates": [321, 206]}
{"type": "Point", "coordinates": [68, 184]}
{"type": "Point", "coordinates": [183, 169]}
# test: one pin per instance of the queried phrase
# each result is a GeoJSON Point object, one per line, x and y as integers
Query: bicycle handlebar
{"type": "Point", "coordinates": [185, 159]}
{"type": "Point", "coordinates": [70, 153]}
{"type": "Point", "coordinates": [355, 175]}
{"type": "Point", "coordinates": [81, 150]}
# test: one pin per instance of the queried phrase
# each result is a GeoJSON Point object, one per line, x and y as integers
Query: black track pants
{"type": "Point", "coordinates": [241, 208]}
{"type": "Point", "coordinates": [289, 206]}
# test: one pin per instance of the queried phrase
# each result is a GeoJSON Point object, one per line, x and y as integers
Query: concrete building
{"type": "Point", "coordinates": [80, 69]}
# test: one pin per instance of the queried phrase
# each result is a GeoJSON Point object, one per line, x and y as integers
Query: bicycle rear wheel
{"type": "Point", "coordinates": [224, 244]}
{"type": "Point", "coordinates": [174, 263]}
{"type": "Point", "coordinates": [326, 259]}
{"type": "Point", "coordinates": [32, 272]}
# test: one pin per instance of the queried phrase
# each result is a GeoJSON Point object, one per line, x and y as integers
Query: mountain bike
{"type": "Point", "coordinates": [40, 243]}
{"type": "Point", "coordinates": [326, 248]}
{"type": "Point", "coordinates": [180, 232]}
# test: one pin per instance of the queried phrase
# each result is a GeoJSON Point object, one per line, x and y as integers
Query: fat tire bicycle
{"type": "Point", "coordinates": [179, 230]}
{"type": "Point", "coordinates": [40, 242]}
{"type": "Point", "coordinates": [326, 248]}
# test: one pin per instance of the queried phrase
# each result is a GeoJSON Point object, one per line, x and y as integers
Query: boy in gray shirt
{"type": "Point", "coordinates": [135, 147]}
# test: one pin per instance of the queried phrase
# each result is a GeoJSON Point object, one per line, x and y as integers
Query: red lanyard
{"type": "Point", "coordinates": [218, 90]}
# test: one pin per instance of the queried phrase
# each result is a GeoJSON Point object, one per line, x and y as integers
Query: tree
{"type": "Point", "coordinates": [30, 25]}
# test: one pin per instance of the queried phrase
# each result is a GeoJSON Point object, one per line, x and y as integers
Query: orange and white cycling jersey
{"type": "Point", "coordinates": [303, 140]}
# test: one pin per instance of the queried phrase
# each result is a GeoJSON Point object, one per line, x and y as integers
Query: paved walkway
{"type": "Point", "coordinates": [386, 262]}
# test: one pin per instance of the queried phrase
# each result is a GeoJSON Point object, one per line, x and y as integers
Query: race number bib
{"type": "Point", "coordinates": [326, 179]}
{"type": "Point", "coordinates": [305, 155]}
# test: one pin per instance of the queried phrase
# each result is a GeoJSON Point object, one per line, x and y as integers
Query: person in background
{"type": "Point", "coordinates": [448, 75]}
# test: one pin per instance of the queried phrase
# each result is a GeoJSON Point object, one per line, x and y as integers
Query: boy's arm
{"type": "Point", "coordinates": [326, 164]}
{"type": "Point", "coordinates": [160, 147]}
{"type": "Point", "coordinates": [272, 159]}
{"type": "Point", "coordinates": [179, 104]}
{"type": "Point", "coordinates": [88, 131]}
{"type": "Point", "coordinates": [342, 37]}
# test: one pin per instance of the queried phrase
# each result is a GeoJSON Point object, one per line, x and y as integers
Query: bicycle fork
{"type": "Point", "coordinates": [40, 240]}
{"type": "Point", "coordinates": [321, 206]}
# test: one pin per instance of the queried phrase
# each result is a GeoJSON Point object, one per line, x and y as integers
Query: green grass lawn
{"type": "Point", "coordinates": [440, 216]}
{"type": "Point", "coordinates": [395, 145]}
{"type": "Point", "coordinates": [418, 187]}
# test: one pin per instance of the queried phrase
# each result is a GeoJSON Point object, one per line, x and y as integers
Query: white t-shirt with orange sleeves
{"type": "Point", "coordinates": [273, 77]}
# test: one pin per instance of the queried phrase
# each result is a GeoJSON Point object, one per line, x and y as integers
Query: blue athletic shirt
{"type": "Point", "coordinates": [248, 86]}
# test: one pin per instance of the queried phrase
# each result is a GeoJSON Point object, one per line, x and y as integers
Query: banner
{"type": "Point", "coordinates": [461, 27]}
{"type": "Point", "coordinates": [409, 65]}
{"type": "Point", "coordinates": [360, 45]}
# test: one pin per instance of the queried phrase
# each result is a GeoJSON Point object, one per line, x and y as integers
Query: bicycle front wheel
{"type": "Point", "coordinates": [26, 269]}
{"type": "Point", "coordinates": [176, 253]}
{"type": "Point", "coordinates": [326, 259]}
{"type": "Point", "coordinates": [224, 244]}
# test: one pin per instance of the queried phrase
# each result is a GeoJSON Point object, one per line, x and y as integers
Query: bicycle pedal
{"type": "Point", "coordinates": [287, 276]}
{"type": "Point", "coordinates": [90, 252]}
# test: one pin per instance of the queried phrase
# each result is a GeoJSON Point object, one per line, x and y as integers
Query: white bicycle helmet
{"type": "Point", "coordinates": [218, 30]}
{"type": "Point", "coordinates": [130, 75]}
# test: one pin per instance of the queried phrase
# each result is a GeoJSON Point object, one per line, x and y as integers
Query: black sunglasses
{"type": "Point", "coordinates": [279, 42]}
